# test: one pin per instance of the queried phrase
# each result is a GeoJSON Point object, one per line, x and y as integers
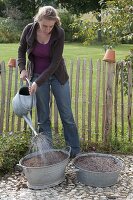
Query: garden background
{"type": "Point", "coordinates": [91, 28]}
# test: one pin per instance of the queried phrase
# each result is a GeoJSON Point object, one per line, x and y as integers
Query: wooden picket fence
{"type": "Point", "coordinates": [100, 108]}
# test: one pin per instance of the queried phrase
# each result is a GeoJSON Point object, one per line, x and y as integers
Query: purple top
{"type": "Point", "coordinates": [41, 55]}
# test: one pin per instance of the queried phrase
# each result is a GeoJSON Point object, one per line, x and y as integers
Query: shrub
{"type": "Point", "coordinates": [11, 29]}
{"type": "Point", "coordinates": [128, 59]}
{"type": "Point", "coordinates": [8, 31]}
{"type": "Point", "coordinates": [85, 31]}
{"type": "Point", "coordinates": [12, 148]}
{"type": "Point", "coordinates": [67, 19]}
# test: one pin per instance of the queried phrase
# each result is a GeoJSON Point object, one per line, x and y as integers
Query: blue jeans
{"type": "Point", "coordinates": [63, 101]}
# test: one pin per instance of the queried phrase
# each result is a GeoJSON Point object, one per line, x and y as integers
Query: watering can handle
{"type": "Point", "coordinates": [28, 81]}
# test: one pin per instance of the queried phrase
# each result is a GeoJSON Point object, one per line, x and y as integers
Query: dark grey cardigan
{"type": "Point", "coordinates": [57, 66]}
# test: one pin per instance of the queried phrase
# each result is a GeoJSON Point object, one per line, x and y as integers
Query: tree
{"type": "Point", "coordinates": [27, 8]}
{"type": "Point", "coordinates": [2, 8]}
{"type": "Point", "coordinates": [116, 25]}
{"type": "Point", "coordinates": [80, 7]}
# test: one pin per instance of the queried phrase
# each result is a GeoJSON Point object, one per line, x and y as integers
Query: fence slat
{"type": "Point", "coordinates": [130, 71]}
{"type": "Point", "coordinates": [8, 98]}
{"type": "Point", "coordinates": [19, 121]}
{"type": "Point", "coordinates": [122, 103]}
{"type": "Point", "coordinates": [97, 99]}
{"type": "Point", "coordinates": [36, 120]}
{"type": "Point", "coordinates": [55, 117]}
{"type": "Point", "coordinates": [3, 95]}
{"type": "Point", "coordinates": [15, 91]}
{"type": "Point", "coordinates": [116, 99]}
{"type": "Point", "coordinates": [83, 98]}
{"type": "Point", "coordinates": [90, 100]}
{"type": "Point", "coordinates": [71, 78]}
{"type": "Point", "coordinates": [77, 91]}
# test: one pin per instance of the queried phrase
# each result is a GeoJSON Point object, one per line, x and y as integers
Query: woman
{"type": "Point", "coordinates": [43, 41]}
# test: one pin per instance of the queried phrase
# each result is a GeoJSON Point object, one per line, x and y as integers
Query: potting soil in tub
{"type": "Point", "coordinates": [97, 164]}
{"type": "Point", "coordinates": [45, 159]}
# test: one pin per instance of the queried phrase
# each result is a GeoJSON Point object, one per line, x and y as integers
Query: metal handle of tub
{"type": "Point", "coordinates": [76, 170]}
{"type": "Point", "coordinates": [68, 149]}
{"type": "Point", "coordinates": [20, 167]}
{"type": "Point", "coordinates": [123, 165]}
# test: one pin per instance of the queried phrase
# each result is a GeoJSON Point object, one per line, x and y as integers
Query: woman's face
{"type": "Point", "coordinates": [46, 25]}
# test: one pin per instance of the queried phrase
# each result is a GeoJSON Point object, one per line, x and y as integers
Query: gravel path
{"type": "Point", "coordinates": [14, 187]}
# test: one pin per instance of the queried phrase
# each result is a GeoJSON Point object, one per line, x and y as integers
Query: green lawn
{"type": "Point", "coordinates": [71, 51]}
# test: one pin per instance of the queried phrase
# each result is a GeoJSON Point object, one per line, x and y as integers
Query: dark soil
{"type": "Point", "coordinates": [97, 163]}
{"type": "Point", "coordinates": [45, 159]}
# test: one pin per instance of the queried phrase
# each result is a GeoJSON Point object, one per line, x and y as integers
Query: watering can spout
{"type": "Point", "coordinates": [29, 122]}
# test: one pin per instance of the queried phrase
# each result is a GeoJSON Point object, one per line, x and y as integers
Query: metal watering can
{"type": "Point", "coordinates": [23, 103]}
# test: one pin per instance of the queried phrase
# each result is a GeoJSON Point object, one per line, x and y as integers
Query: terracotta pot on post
{"type": "Point", "coordinates": [12, 62]}
{"type": "Point", "coordinates": [109, 56]}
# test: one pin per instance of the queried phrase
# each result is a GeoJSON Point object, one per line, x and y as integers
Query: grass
{"type": "Point", "coordinates": [71, 51]}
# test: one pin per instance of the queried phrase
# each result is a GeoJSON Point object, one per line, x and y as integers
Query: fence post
{"type": "Point", "coordinates": [109, 103]}
{"type": "Point", "coordinates": [103, 96]}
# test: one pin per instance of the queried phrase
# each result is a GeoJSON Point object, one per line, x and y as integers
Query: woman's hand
{"type": "Point", "coordinates": [33, 88]}
{"type": "Point", "coordinates": [24, 74]}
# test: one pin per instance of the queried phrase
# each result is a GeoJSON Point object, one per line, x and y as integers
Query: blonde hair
{"type": "Point", "coordinates": [47, 12]}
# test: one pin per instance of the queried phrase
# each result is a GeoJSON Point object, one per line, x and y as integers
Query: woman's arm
{"type": "Point", "coordinates": [22, 49]}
